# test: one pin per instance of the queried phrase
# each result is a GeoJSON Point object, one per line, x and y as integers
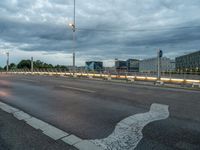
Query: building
{"type": "Point", "coordinates": [151, 65]}
{"type": "Point", "coordinates": [94, 66]}
{"type": "Point", "coordinates": [189, 62]}
{"type": "Point", "coordinates": [120, 65]}
{"type": "Point", "coordinates": [132, 65]}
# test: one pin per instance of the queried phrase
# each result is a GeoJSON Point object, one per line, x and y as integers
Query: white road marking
{"type": "Point", "coordinates": [128, 132]}
{"type": "Point", "coordinates": [77, 89]}
{"type": "Point", "coordinates": [35, 81]}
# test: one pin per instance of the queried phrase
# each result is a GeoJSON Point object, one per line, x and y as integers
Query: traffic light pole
{"type": "Point", "coordinates": [158, 72]}
{"type": "Point", "coordinates": [160, 55]}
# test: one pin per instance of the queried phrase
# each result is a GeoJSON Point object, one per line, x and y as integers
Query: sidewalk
{"type": "Point", "coordinates": [16, 135]}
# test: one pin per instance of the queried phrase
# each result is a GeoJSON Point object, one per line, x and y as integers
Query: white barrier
{"type": "Point", "coordinates": [110, 77]}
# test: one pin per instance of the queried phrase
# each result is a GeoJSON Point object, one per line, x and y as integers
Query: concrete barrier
{"type": "Point", "coordinates": [195, 83]}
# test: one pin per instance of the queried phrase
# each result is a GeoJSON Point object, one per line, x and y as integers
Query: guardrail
{"type": "Point", "coordinates": [110, 76]}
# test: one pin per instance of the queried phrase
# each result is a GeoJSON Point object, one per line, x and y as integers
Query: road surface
{"type": "Point", "coordinates": [91, 109]}
{"type": "Point", "coordinates": [16, 135]}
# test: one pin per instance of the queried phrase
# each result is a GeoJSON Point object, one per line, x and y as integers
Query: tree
{"type": "Point", "coordinates": [61, 67]}
{"type": "Point", "coordinates": [24, 64]}
{"type": "Point", "coordinates": [12, 66]}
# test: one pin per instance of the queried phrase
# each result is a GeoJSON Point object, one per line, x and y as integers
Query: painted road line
{"type": "Point", "coordinates": [128, 132]}
{"type": "Point", "coordinates": [28, 80]}
{"type": "Point", "coordinates": [77, 89]}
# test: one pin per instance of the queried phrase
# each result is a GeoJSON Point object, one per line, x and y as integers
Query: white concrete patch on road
{"type": "Point", "coordinates": [21, 115]}
{"type": "Point", "coordinates": [128, 132]}
{"type": "Point", "coordinates": [54, 132]}
{"type": "Point", "coordinates": [71, 140]}
{"type": "Point", "coordinates": [78, 89]}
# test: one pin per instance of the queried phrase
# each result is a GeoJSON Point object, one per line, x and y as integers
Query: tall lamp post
{"type": "Point", "coordinates": [31, 64]}
{"type": "Point", "coordinates": [7, 62]}
{"type": "Point", "coordinates": [73, 26]}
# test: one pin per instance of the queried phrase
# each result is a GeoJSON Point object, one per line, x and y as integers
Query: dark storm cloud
{"type": "Point", "coordinates": [106, 29]}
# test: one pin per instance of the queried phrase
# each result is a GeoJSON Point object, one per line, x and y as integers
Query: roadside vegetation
{"type": "Point", "coordinates": [26, 64]}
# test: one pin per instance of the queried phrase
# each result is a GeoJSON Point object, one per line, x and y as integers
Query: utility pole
{"type": "Point", "coordinates": [31, 64]}
{"type": "Point", "coordinates": [7, 62]}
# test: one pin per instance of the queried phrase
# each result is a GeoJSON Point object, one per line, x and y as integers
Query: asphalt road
{"type": "Point", "coordinates": [91, 109]}
{"type": "Point", "coordinates": [17, 135]}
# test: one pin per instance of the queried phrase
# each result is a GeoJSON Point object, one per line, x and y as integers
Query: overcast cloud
{"type": "Point", "coordinates": [106, 29]}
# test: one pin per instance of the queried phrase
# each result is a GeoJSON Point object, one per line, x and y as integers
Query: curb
{"type": "Point", "coordinates": [49, 130]}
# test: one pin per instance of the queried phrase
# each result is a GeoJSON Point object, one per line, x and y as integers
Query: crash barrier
{"type": "Point", "coordinates": [131, 78]}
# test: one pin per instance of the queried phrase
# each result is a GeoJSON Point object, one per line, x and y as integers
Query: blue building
{"type": "Point", "coordinates": [94, 66]}
{"type": "Point", "coordinates": [120, 65]}
{"type": "Point", "coordinates": [132, 65]}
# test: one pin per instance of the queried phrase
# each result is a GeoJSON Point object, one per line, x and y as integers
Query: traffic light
{"type": "Point", "coordinates": [160, 53]}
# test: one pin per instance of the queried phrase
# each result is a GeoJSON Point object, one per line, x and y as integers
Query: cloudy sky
{"type": "Point", "coordinates": [106, 29]}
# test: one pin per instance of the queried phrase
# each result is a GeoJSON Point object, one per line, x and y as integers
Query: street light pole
{"type": "Point", "coordinates": [73, 27]}
{"type": "Point", "coordinates": [7, 63]}
{"type": "Point", "coordinates": [31, 64]}
{"type": "Point", "coordinates": [74, 39]}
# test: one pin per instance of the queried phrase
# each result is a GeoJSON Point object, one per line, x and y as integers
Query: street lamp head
{"type": "Point", "coordinates": [72, 26]}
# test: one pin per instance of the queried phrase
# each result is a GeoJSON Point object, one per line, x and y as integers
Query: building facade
{"type": "Point", "coordinates": [94, 66]}
{"type": "Point", "coordinates": [151, 65]}
{"type": "Point", "coordinates": [132, 65]}
{"type": "Point", "coordinates": [121, 66]}
{"type": "Point", "coordinates": [188, 63]}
